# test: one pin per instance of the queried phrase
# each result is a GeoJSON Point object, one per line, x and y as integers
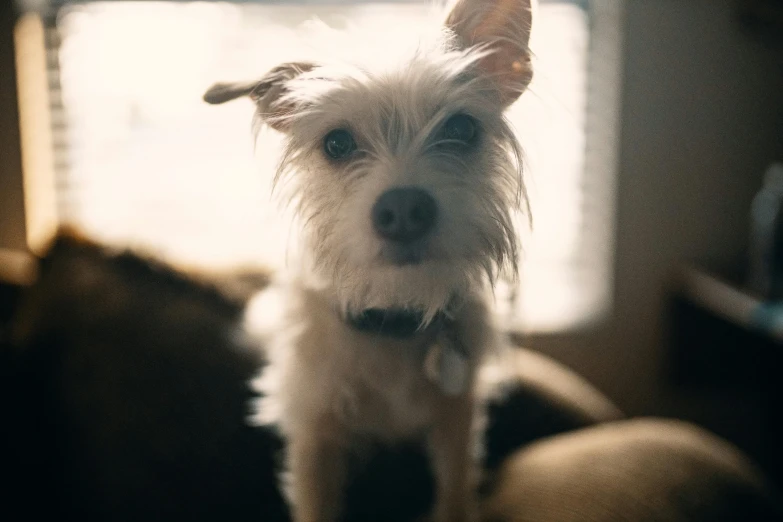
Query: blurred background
{"type": "Point", "coordinates": [648, 131]}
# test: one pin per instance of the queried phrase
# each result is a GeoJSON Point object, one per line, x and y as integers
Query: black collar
{"type": "Point", "coordinates": [397, 323]}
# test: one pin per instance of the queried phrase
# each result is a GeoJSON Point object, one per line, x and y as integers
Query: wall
{"type": "Point", "coordinates": [12, 226]}
{"type": "Point", "coordinates": [702, 115]}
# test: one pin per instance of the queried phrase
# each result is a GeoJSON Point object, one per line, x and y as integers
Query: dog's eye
{"type": "Point", "coordinates": [459, 128]}
{"type": "Point", "coordinates": [338, 144]}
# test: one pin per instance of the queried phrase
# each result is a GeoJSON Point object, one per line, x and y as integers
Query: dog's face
{"type": "Point", "coordinates": [406, 180]}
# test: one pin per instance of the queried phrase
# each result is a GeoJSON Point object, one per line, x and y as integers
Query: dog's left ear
{"type": "Point", "coordinates": [268, 93]}
{"type": "Point", "coordinates": [502, 27]}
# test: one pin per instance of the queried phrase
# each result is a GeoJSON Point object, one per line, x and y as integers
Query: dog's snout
{"type": "Point", "coordinates": [404, 214]}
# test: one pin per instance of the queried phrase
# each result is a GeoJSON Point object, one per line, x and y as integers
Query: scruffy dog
{"type": "Point", "coordinates": [406, 181]}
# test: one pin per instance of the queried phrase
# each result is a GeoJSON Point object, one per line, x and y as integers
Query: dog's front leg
{"type": "Point", "coordinates": [317, 468]}
{"type": "Point", "coordinates": [453, 461]}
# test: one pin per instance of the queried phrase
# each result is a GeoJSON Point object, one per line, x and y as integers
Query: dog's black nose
{"type": "Point", "coordinates": [404, 214]}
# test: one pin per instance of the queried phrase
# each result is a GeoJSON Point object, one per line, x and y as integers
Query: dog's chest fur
{"type": "Point", "coordinates": [325, 375]}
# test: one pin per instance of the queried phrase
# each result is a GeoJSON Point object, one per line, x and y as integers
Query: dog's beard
{"type": "Point", "coordinates": [473, 246]}
{"type": "Point", "coordinates": [429, 287]}
{"type": "Point", "coordinates": [350, 264]}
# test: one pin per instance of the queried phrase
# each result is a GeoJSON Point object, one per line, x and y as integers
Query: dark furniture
{"type": "Point", "coordinates": [728, 343]}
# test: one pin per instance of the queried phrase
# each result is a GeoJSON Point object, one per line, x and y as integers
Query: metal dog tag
{"type": "Point", "coordinates": [447, 366]}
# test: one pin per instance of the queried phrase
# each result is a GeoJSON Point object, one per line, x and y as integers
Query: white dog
{"type": "Point", "coordinates": [406, 181]}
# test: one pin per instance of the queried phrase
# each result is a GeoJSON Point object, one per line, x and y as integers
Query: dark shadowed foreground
{"type": "Point", "coordinates": [126, 396]}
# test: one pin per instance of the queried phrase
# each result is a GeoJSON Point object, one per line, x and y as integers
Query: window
{"type": "Point", "coordinates": [142, 160]}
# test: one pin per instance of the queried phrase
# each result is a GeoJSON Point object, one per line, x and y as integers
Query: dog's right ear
{"type": "Point", "coordinates": [268, 93]}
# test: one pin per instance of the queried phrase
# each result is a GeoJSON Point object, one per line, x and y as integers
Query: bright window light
{"type": "Point", "coordinates": [150, 164]}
